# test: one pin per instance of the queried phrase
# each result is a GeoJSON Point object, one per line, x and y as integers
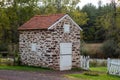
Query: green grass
{"type": "Point", "coordinates": [101, 71]}
{"type": "Point", "coordinates": [23, 68]}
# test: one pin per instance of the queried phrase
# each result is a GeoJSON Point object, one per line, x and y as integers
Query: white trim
{"type": "Point", "coordinates": [75, 23]}
{"type": "Point", "coordinates": [57, 22]}
{"type": "Point", "coordinates": [63, 18]}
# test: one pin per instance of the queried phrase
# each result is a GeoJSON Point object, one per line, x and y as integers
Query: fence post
{"type": "Point", "coordinates": [88, 62]}
{"type": "Point", "coordinates": [108, 65]}
{"type": "Point", "coordinates": [81, 61]}
{"type": "Point", "coordinates": [84, 62]}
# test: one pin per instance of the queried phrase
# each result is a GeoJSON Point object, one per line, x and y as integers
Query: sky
{"type": "Point", "coordinates": [95, 2]}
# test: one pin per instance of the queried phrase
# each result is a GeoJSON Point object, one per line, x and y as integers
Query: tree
{"type": "Point", "coordinates": [59, 4]}
{"type": "Point", "coordinates": [89, 29]}
{"type": "Point", "coordinates": [63, 6]}
{"type": "Point", "coordinates": [112, 31]}
{"type": "Point", "coordinates": [79, 17]}
{"type": "Point", "coordinates": [4, 26]}
{"type": "Point", "coordinates": [21, 11]}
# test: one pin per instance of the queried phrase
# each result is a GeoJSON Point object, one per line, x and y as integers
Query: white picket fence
{"type": "Point", "coordinates": [113, 66]}
{"type": "Point", "coordinates": [84, 62]}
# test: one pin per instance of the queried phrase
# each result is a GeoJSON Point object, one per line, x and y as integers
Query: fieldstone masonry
{"type": "Point", "coordinates": [48, 45]}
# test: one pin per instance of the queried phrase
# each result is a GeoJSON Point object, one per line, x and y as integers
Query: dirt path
{"type": "Point", "coordinates": [24, 75]}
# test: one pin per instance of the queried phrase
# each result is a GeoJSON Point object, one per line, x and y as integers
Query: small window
{"type": "Point", "coordinates": [33, 47]}
{"type": "Point", "coordinates": [66, 28]}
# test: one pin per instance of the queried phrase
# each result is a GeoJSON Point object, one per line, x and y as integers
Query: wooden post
{"type": "Point", "coordinates": [108, 65]}
{"type": "Point", "coordinates": [84, 62]}
{"type": "Point", "coordinates": [81, 61]}
{"type": "Point", "coordinates": [88, 59]}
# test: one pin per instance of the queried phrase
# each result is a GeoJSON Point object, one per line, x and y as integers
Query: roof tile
{"type": "Point", "coordinates": [41, 22]}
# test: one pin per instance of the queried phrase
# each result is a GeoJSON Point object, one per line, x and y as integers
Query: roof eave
{"type": "Point", "coordinates": [32, 29]}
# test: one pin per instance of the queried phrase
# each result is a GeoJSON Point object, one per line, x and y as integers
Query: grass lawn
{"type": "Point", "coordinates": [99, 69]}
{"type": "Point", "coordinates": [98, 73]}
{"type": "Point", "coordinates": [23, 68]}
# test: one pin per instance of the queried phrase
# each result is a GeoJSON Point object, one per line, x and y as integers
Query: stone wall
{"type": "Point", "coordinates": [48, 45]}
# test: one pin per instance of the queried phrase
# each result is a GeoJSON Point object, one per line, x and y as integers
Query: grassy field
{"type": "Point", "coordinates": [98, 73]}
{"type": "Point", "coordinates": [23, 68]}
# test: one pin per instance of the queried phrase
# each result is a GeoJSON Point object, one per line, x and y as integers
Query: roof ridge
{"type": "Point", "coordinates": [49, 15]}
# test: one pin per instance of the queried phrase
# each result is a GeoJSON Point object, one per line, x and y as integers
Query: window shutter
{"type": "Point", "coordinates": [66, 28]}
{"type": "Point", "coordinates": [33, 47]}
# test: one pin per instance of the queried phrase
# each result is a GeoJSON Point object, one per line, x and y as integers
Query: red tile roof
{"type": "Point", "coordinates": [41, 22]}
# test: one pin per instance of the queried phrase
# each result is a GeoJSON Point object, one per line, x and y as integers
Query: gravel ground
{"type": "Point", "coordinates": [27, 75]}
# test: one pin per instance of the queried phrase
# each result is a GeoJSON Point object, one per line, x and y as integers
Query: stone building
{"type": "Point", "coordinates": [50, 41]}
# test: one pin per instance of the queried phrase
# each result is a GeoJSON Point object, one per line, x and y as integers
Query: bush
{"type": "Point", "coordinates": [102, 64]}
{"type": "Point", "coordinates": [3, 47]}
{"type": "Point", "coordinates": [84, 50]}
{"type": "Point", "coordinates": [95, 63]}
{"type": "Point", "coordinates": [110, 49]}
{"type": "Point", "coordinates": [6, 61]}
{"type": "Point", "coordinates": [92, 49]}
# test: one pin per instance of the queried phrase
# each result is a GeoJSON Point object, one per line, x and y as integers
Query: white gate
{"type": "Point", "coordinates": [65, 56]}
{"type": "Point", "coordinates": [84, 62]}
{"type": "Point", "coordinates": [113, 66]}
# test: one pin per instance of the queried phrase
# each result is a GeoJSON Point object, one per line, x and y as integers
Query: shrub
{"type": "Point", "coordinates": [95, 63]}
{"type": "Point", "coordinates": [6, 61]}
{"type": "Point", "coordinates": [110, 48]}
{"type": "Point", "coordinates": [84, 50]}
{"type": "Point", "coordinates": [3, 47]}
{"type": "Point", "coordinates": [103, 64]}
{"type": "Point", "coordinates": [92, 49]}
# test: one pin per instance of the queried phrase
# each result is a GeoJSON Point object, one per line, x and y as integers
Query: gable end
{"type": "Point", "coordinates": [62, 19]}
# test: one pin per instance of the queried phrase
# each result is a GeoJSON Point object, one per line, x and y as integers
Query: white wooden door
{"type": "Point", "coordinates": [65, 56]}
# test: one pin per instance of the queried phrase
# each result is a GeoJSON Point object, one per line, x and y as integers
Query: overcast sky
{"type": "Point", "coordinates": [95, 2]}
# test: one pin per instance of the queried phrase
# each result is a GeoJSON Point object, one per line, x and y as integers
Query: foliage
{"type": "Point", "coordinates": [89, 28]}
{"type": "Point", "coordinates": [103, 25]}
{"type": "Point", "coordinates": [96, 63]}
{"type": "Point", "coordinates": [92, 49]}
{"type": "Point", "coordinates": [79, 17]}
{"type": "Point", "coordinates": [21, 11]}
{"type": "Point", "coordinates": [110, 23]}
{"type": "Point", "coordinates": [4, 25]}
{"type": "Point", "coordinates": [3, 47]}
{"type": "Point", "coordinates": [6, 61]}
{"type": "Point", "coordinates": [98, 24]}
{"type": "Point", "coordinates": [83, 49]}
{"type": "Point", "coordinates": [103, 22]}
{"type": "Point", "coordinates": [110, 48]}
